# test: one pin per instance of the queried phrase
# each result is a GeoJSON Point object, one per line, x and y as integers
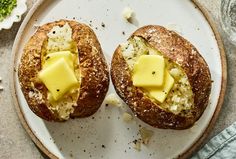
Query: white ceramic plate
{"type": "Point", "coordinates": [83, 138]}
{"type": "Point", "coordinates": [15, 16]}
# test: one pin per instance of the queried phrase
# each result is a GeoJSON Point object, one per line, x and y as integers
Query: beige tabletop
{"type": "Point", "coordinates": [15, 142]}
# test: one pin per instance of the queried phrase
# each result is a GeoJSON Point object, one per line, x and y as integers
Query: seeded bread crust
{"type": "Point", "coordinates": [93, 67]}
{"type": "Point", "coordinates": [182, 52]}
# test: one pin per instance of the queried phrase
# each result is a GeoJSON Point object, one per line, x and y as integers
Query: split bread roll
{"type": "Point", "coordinates": [162, 78]}
{"type": "Point", "coordinates": [63, 73]}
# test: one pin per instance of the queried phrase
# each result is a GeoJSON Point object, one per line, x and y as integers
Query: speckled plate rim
{"type": "Point", "coordinates": [189, 151]}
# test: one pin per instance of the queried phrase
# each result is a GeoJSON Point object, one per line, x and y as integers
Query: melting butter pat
{"type": "Point", "coordinates": [149, 71]}
{"type": "Point", "coordinates": [53, 57]}
{"type": "Point", "coordinates": [58, 78]}
{"type": "Point", "coordinates": [160, 93]}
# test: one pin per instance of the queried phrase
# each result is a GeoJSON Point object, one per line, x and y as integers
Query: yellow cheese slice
{"type": "Point", "coordinates": [58, 78]}
{"type": "Point", "coordinates": [160, 93]}
{"type": "Point", "coordinates": [149, 71]}
{"type": "Point", "coordinates": [53, 57]}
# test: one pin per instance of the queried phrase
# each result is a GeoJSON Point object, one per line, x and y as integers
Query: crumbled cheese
{"type": "Point", "coordinates": [113, 100]}
{"type": "Point", "coordinates": [36, 94]}
{"type": "Point", "coordinates": [137, 145]}
{"type": "Point", "coordinates": [59, 39]}
{"type": "Point", "coordinates": [181, 96]}
{"type": "Point", "coordinates": [174, 108]}
{"type": "Point", "coordinates": [145, 135]}
{"type": "Point", "coordinates": [127, 117]}
{"type": "Point", "coordinates": [175, 72]}
{"type": "Point", "coordinates": [127, 13]}
{"type": "Point", "coordinates": [65, 106]}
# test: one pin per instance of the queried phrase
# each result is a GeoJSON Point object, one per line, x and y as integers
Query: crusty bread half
{"type": "Point", "coordinates": [93, 68]}
{"type": "Point", "coordinates": [178, 50]}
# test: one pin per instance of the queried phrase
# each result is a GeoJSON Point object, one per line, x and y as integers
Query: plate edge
{"type": "Point", "coordinates": [24, 123]}
{"type": "Point", "coordinates": [197, 145]}
{"type": "Point", "coordinates": [184, 155]}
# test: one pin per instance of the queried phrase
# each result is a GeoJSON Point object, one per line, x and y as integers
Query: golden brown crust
{"type": "Point", "coordinates": [93, 67]}
{"type": "Point", "coordinates": [179, 50]}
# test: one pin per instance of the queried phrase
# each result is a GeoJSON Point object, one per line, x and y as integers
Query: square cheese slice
{"type": "Point", "coordinates": [160, 93]}
{"type": "Point", "coordinates": [58, 78]}
{"type": "Point", "coordinates": [53, 57]}
{"type": "Point", "coordinates": [149, 71]}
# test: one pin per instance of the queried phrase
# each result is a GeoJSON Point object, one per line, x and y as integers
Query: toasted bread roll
{"type": "Point", "coordinates": [89, 67]}
{"type": "Point", "coordinates": [189, 95]}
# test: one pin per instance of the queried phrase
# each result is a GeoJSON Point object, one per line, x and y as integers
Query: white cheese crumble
{"type": "Point", "coordinates": [59, 39]}
{"type": "Point", "coordinates": [127, 117]}
{"type": "Point", "coordinates": [181, 96]}
{"type": "Point", "coordinates": [113, 100]}
{"type": "Point", "coordinates": [127, 13]}
{"type": "Point", "coordinates": [145, 135]}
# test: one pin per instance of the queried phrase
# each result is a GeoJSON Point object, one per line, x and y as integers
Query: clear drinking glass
{"type": "Point", "coordinates": [228, 18]}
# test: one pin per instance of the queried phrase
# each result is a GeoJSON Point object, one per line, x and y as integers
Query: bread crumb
{"type": "Point", "coordinates": [113, 100]}
{"type": "Point", "coordinates": [127, 13]}
{"type": "Point", "coordinates": [1, 88]}
{"type": "Point", "coordinates": [127, 117]}
{"type": "Point", "coordinates": [145, 135]}
{"type": "Point", "coordinates": [36, 26]}
{"type": "Point", "coordinates": [137, 145]}
{"type": "Point", "coordinates": [0, 79]}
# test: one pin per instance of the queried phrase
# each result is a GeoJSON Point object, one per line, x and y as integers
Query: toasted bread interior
{"type": "Point", "coordinates": [60, 39]}
{"type": "Point", "coordinates": [180, 99]}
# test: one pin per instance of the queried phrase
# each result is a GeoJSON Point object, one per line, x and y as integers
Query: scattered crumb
{"type": "Point", "coordinates": [123, 32]}
{"type": "Point", "coordinates": [103, 146]}
{"type": "Point", "coordinates": [137, 145]}
{"type": "Point", "coordinates": [127, 117]}
{"type": "Point", "coordinates": [145, 135]}
{"type": "Point", "coordinates": [127, 13]}
{"type": "Point", "coordinates": [113, 100]}
{"type": "Point", "coordinates": [0, 79]}
{"type": "Point", "coordinates": [1, 88]}
{"type": "Point", "coordinates": [36, 26]}
{"type": "Point", "coordinates": [103, 25]}
{"type": "Point", "coordinates": [71, 155]}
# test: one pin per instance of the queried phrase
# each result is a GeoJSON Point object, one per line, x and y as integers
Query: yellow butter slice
{"type": "Point", "coordinates": [58, 77]}
{"type": "Point", "coordinates": [160, 93]}
{"type": "Point", "coordinates": [149, 71]}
